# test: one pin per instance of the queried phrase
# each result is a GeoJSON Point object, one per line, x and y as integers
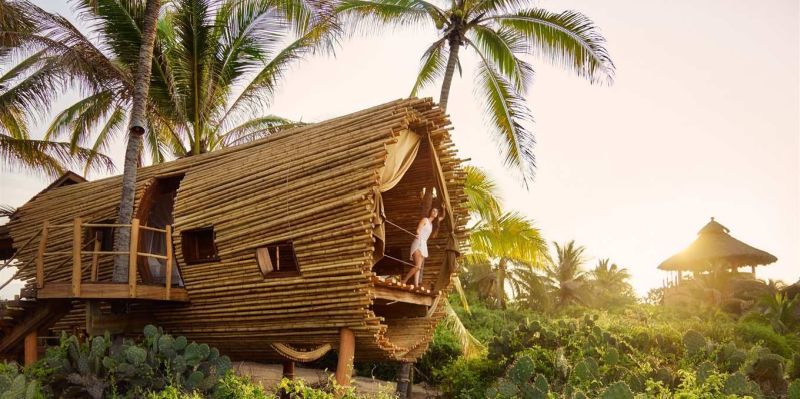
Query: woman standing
{"type": "Point", "coordinates": [419, 248]}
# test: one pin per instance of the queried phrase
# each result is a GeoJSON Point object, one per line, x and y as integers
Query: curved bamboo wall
{"type": "Point", "coordinates": [313, 185]}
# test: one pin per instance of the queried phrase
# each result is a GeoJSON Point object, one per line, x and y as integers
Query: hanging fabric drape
{"type": "Point", "coordinates": [400, 156]}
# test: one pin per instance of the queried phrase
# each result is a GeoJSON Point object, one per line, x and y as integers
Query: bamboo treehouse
{"type": "Point", "coordinates": [274, 250]}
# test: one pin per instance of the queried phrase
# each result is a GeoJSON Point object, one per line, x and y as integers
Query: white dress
{"type": "Point", "coordinates": [421, 242]}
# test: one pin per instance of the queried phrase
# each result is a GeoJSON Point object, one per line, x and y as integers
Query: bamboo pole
{"type": "Point", "coordinates": [40, 257]}
{"type": "Point", "coordinates": [168, 277]}
{"type": "Point", "coordinates": [76, 257]}
{"type": "Point", "coordinates": [95, 258]}
{"type": "Point", "coordinates": [133, 259]}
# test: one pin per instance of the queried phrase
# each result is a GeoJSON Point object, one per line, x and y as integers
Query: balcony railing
{"type": "Point", "coordinates": [94, 289]}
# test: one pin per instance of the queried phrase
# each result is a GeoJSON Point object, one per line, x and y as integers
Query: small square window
{"type": "Point", "coordinates": [277, 260]}
{"type": "Point", "coordinates": [198, 245]}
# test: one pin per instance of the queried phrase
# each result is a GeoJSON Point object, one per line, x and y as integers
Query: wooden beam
{"type": "Point", "coordinates": [95, 257]}
{"type": "Point", "coordinates": [344, 363]}
{"type": "Point", "coordinates": [61, 290]}
{"type": "Point", "coordinates": [397, 295]}
{"type": "Point", "coordinates": [40, 256]}
{"type": "Point", "coordinates": [133, 258]}
{"type": "Point", "coordinates": [76, 257]}
{"type": "Point", "coordinates": [168, 277]}
{"type": "Point", "coordinates": [31, 348]}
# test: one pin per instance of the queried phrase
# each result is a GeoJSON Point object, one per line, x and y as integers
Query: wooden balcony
{"type": "Point", "coordinates": [389, 291]}
{"type": "Point", "coordinates": [94, 289]}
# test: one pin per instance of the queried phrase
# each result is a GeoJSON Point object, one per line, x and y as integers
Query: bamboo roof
{"type": "Point", "coordinates": [714, 247]}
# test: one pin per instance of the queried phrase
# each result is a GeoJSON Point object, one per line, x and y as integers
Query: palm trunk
{"type": "Point", "coordinates": [452, 60]}
{"type": "Point", "coordinates": [136, 127]}
{"type": "Point", "coordinates": [501, 282]}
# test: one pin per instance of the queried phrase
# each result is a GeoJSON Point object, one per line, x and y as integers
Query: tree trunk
{"type": "Point", "coordinates": [501, 282]}
{"type": "Point", "coordinates": [403, 380]}
{"type": "Point", "coordinates": [136, 129]}
{"type": "Point", "coordinates": [452, 60]}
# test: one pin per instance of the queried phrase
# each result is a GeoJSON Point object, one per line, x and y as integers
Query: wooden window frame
{"type": "Point", "coordinates": [185, 243]}
{"type": "Point", "coordinates": [276, 273]}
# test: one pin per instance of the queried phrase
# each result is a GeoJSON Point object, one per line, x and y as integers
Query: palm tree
{"type": "Point", "coordinates": [565, 275]}
{"type": "Point", "coordinates": [215, 70]}
{"type": "Point", "coordinates": [136, 129]}
{"type": "Point", "coordinates": [17, 148]}
{"type": "Point", "coordinates": [499, 32]}
{"type": "Point", "coordinates": [505, 245]}
{"type": "Point", "coordinates": [609, 283]}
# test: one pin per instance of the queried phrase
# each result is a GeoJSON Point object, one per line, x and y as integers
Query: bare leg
{"type": "Point", "coordinates": [414, 272]}
{"type": "Point", "coordinates": [418, 275]}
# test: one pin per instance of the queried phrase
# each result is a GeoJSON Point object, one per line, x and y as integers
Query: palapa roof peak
{"type": "Point", "coordinates": [715, 247]}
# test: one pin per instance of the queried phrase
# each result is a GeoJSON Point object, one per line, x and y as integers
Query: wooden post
{"type": "Point", "coordinates": [288, 369]}
{"type": "Point", "coordinates": [31, 348]}
{"type": "Point", "coordinates": [168, 268]}
{"type": "Point", "coordinates": [95, 258]}
{"type": "Point", "coordinates": [347, 349]}
{"type": "Point", "coordinates": [753, 271]}
{"type": "Point", "coordinates": [76, 258]}
{"type": "Point", "coordinates": [403, 380]}
{"type": "Point", "coordinates": [40, 257]}
{"type": "Point", "coordinates": [134, 258]}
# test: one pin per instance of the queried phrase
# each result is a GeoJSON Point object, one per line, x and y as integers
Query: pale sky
{"type": "Point", "coordinates": [703, 120]}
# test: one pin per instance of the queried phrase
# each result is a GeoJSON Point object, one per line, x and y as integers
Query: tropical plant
{"type": "Point", "coordinates": [499, 33]}
{"type": "Point", "coordinates": [565, 274]}
{"type": "Point", "coordinates": [483, 201]}
{"type": "Point", "coordinates": [23, 93]}
{"type": "Point", "coordinates": [214, 70]}
{"type": "Point", "coordinates": [506, 246]}
{"type": "Point", "coordinates": [609, 284]}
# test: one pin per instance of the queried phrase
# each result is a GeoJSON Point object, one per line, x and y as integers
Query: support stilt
{"type": "Point", "coordinates": [288, 369]}
{"type": "Point", "coordinates": [31, 348]}
{"type": "Point", "coordinates": [403, 380]}
{"type": "Point", "coordinates": [347, 348]}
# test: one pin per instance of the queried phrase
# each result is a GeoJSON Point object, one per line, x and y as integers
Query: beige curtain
{"type": "Point", "coordinates": [399, 158]}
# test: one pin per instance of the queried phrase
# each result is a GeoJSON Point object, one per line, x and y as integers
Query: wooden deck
{"type": "Point", "coordinates": [103, 290]}
{"type": "Point", "coordinates": [390, 290]}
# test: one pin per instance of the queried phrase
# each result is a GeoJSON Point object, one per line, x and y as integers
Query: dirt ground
{"type": "Point", "coordinates": [270, 374]}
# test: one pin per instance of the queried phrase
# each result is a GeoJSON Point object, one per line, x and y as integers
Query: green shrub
{"type": "Point", "coordinates": [233, 386]}
{"type": "Point", "coordinates": [15, 385]}
{"type": "Point", "coordinates": [468, 378]}
{"type": "Point", "coordinates": [753, 333]}
{"type": "Point", "coordinates": [93, 369]}
{"type": "Point", "coordinates": [444, 350]}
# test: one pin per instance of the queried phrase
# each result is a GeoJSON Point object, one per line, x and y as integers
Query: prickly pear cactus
{"type": "Point", "coordinates": [694, 342]}
{"type": "Point", "coordinates": [519, 382]}
{"type": "Point", "coordinates": [619, 390]}
{"type": "Point", "coordinates": [794, 390]}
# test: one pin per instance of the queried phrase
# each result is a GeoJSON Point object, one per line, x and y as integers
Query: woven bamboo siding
{"type": "Point", "coordinates": [313, 185]}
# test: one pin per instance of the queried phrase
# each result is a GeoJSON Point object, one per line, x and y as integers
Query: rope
{"type": "Point", "coordinates": [399, 227]}
{"type": "Point", "coordinates": [399, 260]}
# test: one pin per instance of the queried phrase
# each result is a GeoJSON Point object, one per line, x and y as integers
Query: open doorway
{"type": "Point", "coordinates": [156, 210]}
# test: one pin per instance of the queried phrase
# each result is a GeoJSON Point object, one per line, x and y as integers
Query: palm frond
{"type": "Point", "coordinates": [255, 129]}
{"type": "Point", "coordinates": [470, 346]}
{"type": "Point", "coordinates": [376, 14]}
{"type": "Point", "coordinates": [6, 211]}
{"type": "Point", "coordinates": [46, 156]}
{"type": "Point", "coordinates": [569, 40]}
{"type": "Point", "coordinates": [481, 193]}
{"type": "Point", "coordinates": [462, 296]}
{"type": "Point", "coordinates": [508, 114]}
{"type": "Point", "coordinates": [433, 64]}
{"type": "Point", "coordinates": [501, 48]}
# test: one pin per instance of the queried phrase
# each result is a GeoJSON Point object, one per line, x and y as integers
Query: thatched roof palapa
{"type": "Point", "coordinates": [714, 247]}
